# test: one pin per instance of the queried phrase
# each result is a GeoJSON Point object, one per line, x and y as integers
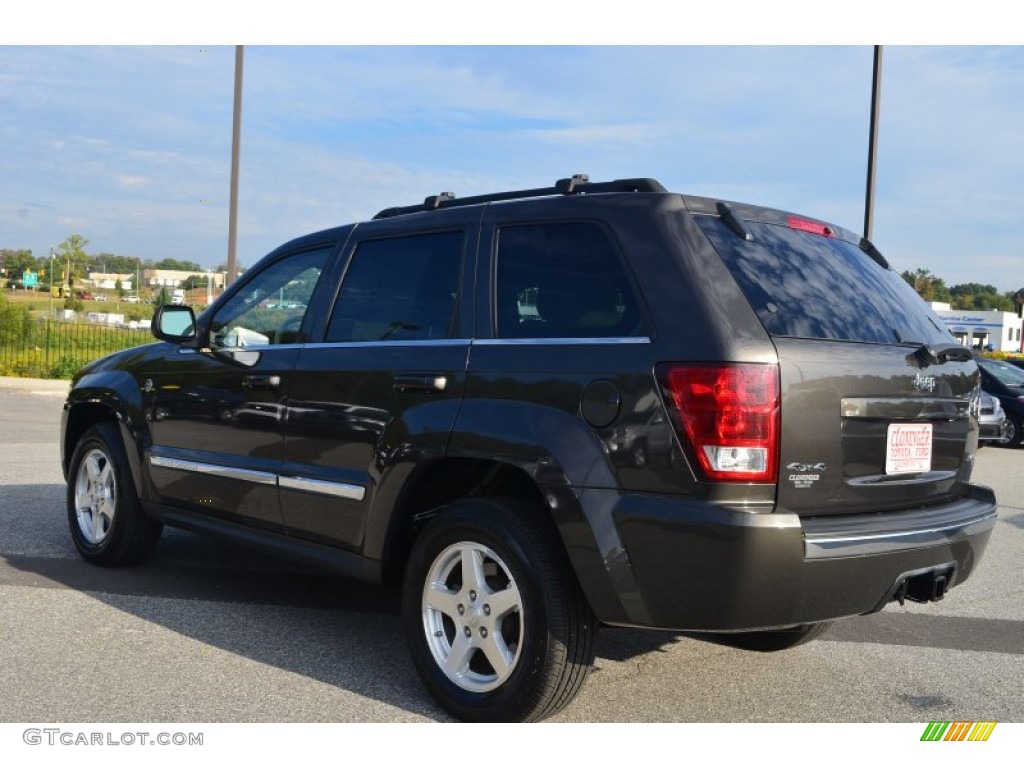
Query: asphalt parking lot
{"type": "Point", "coordinates": [205, 632]}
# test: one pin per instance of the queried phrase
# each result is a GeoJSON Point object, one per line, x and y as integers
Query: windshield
{"type": "Point", "coordinates": [1004, 373]}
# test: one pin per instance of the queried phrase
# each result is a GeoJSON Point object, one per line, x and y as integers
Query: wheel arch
{"type": "Point", "coordinates": [113, 397]}
{"type": "Point", "coordinates": [429, 488]}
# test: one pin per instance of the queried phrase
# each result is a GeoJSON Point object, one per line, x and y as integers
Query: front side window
{"type": "Point", "coordinates": [400, 289]}
{"type": "Point", "coordinates": [270, 308]}
{"type": "Point", "coordinates": [563, 280]}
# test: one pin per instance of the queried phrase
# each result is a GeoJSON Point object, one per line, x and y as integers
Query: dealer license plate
{"type": "Point", "coordinates": [908, 448]}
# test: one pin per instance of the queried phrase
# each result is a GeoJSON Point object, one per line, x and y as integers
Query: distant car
{"type": "Point", "coordinates": [131, 299]}
{"type": "Point", "coordinates": [991, 419]}
{"type": "Point", "coordinates": [1006, 382]}
{"type": "Point", "coordinates": [100, 297]}
{"type": "Point", "coordinates": [85, 296]}
{"type": "Point", "coordinates": [639, 443]}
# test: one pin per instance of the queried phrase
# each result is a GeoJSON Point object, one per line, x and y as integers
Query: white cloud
{"type": "Point", "coordinates": [124, 143]}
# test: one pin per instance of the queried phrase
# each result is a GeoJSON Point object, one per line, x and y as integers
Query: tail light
{"type": "Point", "coordinates": [730, 414]}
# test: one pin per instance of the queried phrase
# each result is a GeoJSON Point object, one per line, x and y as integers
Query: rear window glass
{"type": "Point", "coordinates": [808, 286]}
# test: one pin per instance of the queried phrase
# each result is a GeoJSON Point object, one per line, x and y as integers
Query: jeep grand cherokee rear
{"type": "Point", "coordinates": [831, 446]}
{"type": "Point", "coordinates": [547, 409]}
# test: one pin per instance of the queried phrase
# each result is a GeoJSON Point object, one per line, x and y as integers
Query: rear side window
{"type": "Point", "coordinates": [399, 289]}
{"type": "Point", "coordinates": [563, 280]}
{"type": "Point", "coordinates": [809, 286]}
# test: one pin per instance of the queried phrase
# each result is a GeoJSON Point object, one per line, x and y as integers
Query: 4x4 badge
{"type": "Point", "coordinates": [796, 466]}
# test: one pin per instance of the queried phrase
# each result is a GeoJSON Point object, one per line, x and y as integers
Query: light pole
{"type": "Point", "coordinates": [236, 139]}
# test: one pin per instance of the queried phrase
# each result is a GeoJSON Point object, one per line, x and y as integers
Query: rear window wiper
{"type": "Point", "coordinates": [939, 353]}
{"type": "Point", "coordinates": [733, 222]}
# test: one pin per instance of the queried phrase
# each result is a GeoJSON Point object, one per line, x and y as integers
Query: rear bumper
{"type": "Point", "coordinates": [695, 566]}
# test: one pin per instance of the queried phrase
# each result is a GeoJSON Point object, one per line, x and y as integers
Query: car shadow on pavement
{"type": "Point", "coordinates": [265, 609]}
{"type": "Point", "coordinates": [340, 632]}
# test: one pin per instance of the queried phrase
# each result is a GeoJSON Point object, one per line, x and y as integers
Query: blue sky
{"type": "Point", "coordinates": [130, 146]}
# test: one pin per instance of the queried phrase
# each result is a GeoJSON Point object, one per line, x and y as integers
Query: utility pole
{"type": "Point", "coordinates": [52, 282]}
{"type": "Point", "coordinates": [236, 136]}
{"type": "Point", "coordinates": [876, 95]}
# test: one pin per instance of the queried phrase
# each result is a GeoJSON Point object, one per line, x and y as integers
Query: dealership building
{"type": "Point", "coordinates": [978, 330]}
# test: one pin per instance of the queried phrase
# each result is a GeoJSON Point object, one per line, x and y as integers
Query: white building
{"type": "Point", "coordinates": [978, 329]}
{"type": "Point", "coordinates": [174, 278]}
{"type": "Point", "coordinates": [108, 280]}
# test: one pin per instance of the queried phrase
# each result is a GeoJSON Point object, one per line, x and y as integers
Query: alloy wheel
{"type": "Point", "coordinates": [473, 616]}
{"type": "Point", "coordinates": [95, 496]}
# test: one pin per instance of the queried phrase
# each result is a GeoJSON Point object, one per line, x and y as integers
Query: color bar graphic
{"type": "Point", "coordinates": [958, 731]}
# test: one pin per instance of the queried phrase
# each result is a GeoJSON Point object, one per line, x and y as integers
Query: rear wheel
{"type": "Point", "coordinates": [497, 626]}
{"type": "Point", "coordinates": [107, 523]}
{"type": "Point", "coordinates": [768, 640]}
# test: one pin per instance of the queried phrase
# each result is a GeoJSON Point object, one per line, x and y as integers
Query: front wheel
{"type": "Point", "coordinates": [1011, 433]}
{"type": "Point", "coordinates": [497, 626]}
{"type": "Point", "coordinates": [107, 523]}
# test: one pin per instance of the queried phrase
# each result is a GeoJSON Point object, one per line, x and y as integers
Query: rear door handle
{"type": "Point", "coordinates": [259, 381]}
{"type": "Point", "coordinates": [428, 383]}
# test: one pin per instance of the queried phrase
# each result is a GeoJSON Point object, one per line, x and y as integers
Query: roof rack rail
{"type": "Point", "coordinates": [578, 184]}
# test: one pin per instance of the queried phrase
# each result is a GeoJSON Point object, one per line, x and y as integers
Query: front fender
{"type": "Point", "coordinates": [111, 395]}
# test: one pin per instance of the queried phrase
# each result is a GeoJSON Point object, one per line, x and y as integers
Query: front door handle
{"type": "Point", "coordinates": [428, 383]}
{"type": "Point", "coordinates": [259, 381]}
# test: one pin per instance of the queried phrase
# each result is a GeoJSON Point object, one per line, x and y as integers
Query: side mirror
{"type": "Point", "coordinates": [174, 323]}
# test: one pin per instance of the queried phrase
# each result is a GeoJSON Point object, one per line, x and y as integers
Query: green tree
{"type": "Point", "coordinates": [15, 321]}
{"type": "Point", "coordinates": [15, 262]}
{"type": "Point", "coordinates": [928, 286]}
{"type": "Point", "coordinates": [195, 281]}
{"type": "Point", "coordinates": [114, 264]}
{"type": "Point", "coordinates": [119, 287]}
{"type": "Point", "coordinates": [161, 297]}
{"type": "Point", "coordinates": [72, 252]}
{"type": "Point", "coordinates": [978, 296]}
{"type": "Point", "coordinates": [181, 266]}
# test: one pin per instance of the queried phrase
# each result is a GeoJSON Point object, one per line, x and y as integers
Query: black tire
{"type": "Point", "coordinates": [768, 640]}
{"type": "Point", "coordinates": [1013, 434]}
{"type": "Point", "coordinates": [107, 523]}
{"type": "Point", "coordinates": [540, 632]}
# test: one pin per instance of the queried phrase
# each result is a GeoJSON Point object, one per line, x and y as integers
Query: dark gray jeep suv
{"type": "Point", "coordinates": [544, 410]}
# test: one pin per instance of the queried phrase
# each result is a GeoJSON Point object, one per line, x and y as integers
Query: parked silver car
{"type": "Point", "coordinates": [991, 419]}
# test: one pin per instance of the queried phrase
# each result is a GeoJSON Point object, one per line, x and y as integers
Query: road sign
{"type": "Point", "coordinates": [30, 279]}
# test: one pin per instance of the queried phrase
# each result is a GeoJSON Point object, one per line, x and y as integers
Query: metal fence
{"type": "Point", "coordinates": [54, 349]}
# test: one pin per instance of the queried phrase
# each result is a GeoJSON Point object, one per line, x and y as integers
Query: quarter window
{"type": "Point", "coordinates": [563, 280]}
{"type": "Point", "coordinates": [400, 289]}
